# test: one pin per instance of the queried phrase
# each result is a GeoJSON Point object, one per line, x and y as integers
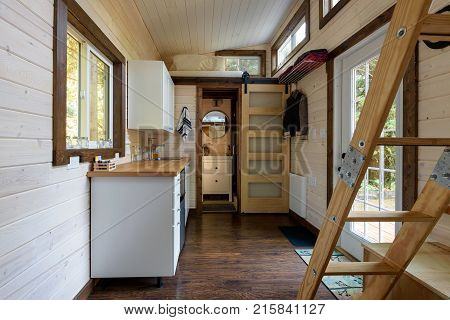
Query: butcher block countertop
{"type": "Point", "coordinates": [145, 168]}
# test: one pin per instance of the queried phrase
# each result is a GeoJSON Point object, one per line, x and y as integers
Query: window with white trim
{"type": "Point", "coordinates": [89, 95]}
{"type": "Point", "coordinates": [378, 190]}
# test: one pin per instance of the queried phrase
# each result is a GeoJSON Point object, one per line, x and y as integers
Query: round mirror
{"type": "Point", "coordinates": [215, 124]}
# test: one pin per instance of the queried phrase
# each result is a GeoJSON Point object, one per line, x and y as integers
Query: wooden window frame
{"type": "Point", "coordinates": [323, 20]}
{"type": "Point", "coordinates": [247, 53]}
{"type": "Point", "coordinates": [302, 12]}
{"type": "Point", "coordinates": [65, 12]}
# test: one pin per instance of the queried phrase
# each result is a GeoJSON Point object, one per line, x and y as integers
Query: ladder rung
{"type": "Point", "coordinates": [436, 24]}
{"type": "Point", "coordinates": [387, 216]}
{"type": "Point", "coordinates": [434, 37]}
{"type": "Point", "coordinates": [359, 268]}
{"type": "Point", "coordinates": [409, 141]}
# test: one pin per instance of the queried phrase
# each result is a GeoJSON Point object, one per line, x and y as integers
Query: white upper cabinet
{"type": "Point", "coordinates": [150, 96]}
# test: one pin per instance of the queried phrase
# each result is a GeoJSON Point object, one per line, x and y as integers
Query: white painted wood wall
{"type": "Point", "coordinates": [186, 96]}
{"type": "Point", "coordinates": [309, 157]}
{"type": "Point", "coordinates": [44, 210]}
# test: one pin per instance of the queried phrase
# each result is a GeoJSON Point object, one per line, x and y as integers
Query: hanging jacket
{"type": "Point", "coordinates": [295, 119]}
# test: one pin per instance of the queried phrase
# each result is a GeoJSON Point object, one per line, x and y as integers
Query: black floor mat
{"type": "Point", "coordinates": [299, 237]}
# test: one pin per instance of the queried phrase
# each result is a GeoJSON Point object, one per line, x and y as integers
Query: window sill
{"type": "Point", "coordinates": [86, 155]}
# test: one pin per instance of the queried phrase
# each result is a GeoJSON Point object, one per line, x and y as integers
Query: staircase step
{"type": "Point", "coordinates": [359, 268]}
{"type": "Point", "coordinates": [410, 141]}
{"type": "Point", "coordinates": [387, 216]}
{"type": "Point", "coordinates": [436, 24]}
{"type": "Point", "coordinates": [434, 37]}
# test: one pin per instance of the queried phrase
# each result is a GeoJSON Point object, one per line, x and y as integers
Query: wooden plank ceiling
{"type": "Point", "coordinates": [203, 26]}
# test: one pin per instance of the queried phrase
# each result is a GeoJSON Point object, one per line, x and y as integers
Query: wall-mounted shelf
{"type": "Point", "coordinates": [305, 64]}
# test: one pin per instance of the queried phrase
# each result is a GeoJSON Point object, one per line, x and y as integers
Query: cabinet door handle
{"type": "Point", "coordinates": [217, 181]}
{"type": "Point", "coordinates": [217, 168]}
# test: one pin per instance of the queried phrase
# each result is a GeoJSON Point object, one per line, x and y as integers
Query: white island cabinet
{"type": "Point", "coordinates": [151, 96]}
{"type": "Point", "coordinates": [135, 225]}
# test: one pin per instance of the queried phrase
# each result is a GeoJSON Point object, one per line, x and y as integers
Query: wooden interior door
{"type": "Point", "coordinates": [264, 151]}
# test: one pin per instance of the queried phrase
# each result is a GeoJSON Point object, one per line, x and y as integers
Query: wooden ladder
{"type": "Point", "coordinates": [409, 21]}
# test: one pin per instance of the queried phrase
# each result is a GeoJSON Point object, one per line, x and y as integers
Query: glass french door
{"type": "Point", "coordinates": [381, 187]}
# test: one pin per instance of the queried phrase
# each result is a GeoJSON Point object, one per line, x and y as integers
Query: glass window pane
{"type": "Point", "coordinates": [232, 64]}
{"type": "Point", "coordinates": [250, 64]}
{"type": "Point", "coordinates": [359, 90]}
{"type": "Point", "coordinates": [373, 187]}
{"type": "Point", "coordinates": [389, 191]}
{"type": "Point", "coordinates": [300, 34]}
{"type": "Point", "coordinates": [390, 155]}
{"type": "Point", "coordinates": [326, 7]}
{"type": "Point", "coordinates": [334, 2]}
{"type": "Point", "coordinates": [98, 99]}
{"type": "Point", "coordinates": [372, 64]}
{"type": "Point", "coordinates": [73, 87]}
{"type": "Point", "coordinates": [390, 126]}
{"type": "Point", "coordinates": [284, 50]}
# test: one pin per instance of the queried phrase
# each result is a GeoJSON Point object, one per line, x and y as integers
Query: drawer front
{"type": "Point", "coordinates": [176, 201]}
{"type": "Point", "coordinates": [176, 216]}
{"type": "Point", "coordinates": [213, 167]}
{"type": "Point", "coordinates": [176, 247]}
{"type": "Point", "coordinates": [216, 184]}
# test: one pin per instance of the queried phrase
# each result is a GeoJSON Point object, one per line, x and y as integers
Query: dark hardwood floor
{"type": "Point", "coordinates": [226, 256]}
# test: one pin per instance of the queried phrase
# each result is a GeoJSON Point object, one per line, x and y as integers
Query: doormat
{"type": "Point", "coordinates": [299, 237]}
{"type": "Point", "coordinates": [342, 287]}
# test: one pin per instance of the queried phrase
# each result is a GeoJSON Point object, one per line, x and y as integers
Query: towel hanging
{"type": "Point", "coordinates": [184, 124]}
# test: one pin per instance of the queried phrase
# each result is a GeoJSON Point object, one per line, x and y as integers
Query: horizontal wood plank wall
{"type": "Point", "coordinates": [44, 210]}
{"type": "Point", "coordinates": [309, 157]}
{"type": "Point", "coordinates": [186, 96]}
{"type": "Point", "coordinates": [434, 119]}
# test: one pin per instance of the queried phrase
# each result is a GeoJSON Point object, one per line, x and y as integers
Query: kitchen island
{"type": "Point", "coordinates": [138, 219]}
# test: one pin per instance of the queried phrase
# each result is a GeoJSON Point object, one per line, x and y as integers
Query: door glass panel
{"type": "Point", "coordinates": [377, 192]}
{"type": "Point", "coordinates": [265, 99]}
{"type": "Point", "coordinates": [265, 145]}
{"type": "Point", "coordinates": [262, 122]}
{"type": "Point", "coordinates": [265, 167]}
{"type": "Point", "coordinates": [264, 190]}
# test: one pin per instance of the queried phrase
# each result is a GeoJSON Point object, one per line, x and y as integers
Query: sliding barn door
{"type": "Point", "coordinates": [264, 152]}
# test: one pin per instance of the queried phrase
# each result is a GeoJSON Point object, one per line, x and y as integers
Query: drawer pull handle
{"type": "Point", "coordinates": [217, 168]}
{"type": "Point", "coordinates": [217, 181]}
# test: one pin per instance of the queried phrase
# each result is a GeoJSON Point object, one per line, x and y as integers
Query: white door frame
{"type": "Point", "coordinates": [364, 50]}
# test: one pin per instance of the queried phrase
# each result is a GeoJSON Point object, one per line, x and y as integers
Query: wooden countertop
{"type": "Point", "coordinates": [145, 168]}
{"type": "Point", "coordinates": [430, 266]}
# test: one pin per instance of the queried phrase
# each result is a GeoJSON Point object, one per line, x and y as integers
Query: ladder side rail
{"type": "Point", "coordinates": [397, 49]}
